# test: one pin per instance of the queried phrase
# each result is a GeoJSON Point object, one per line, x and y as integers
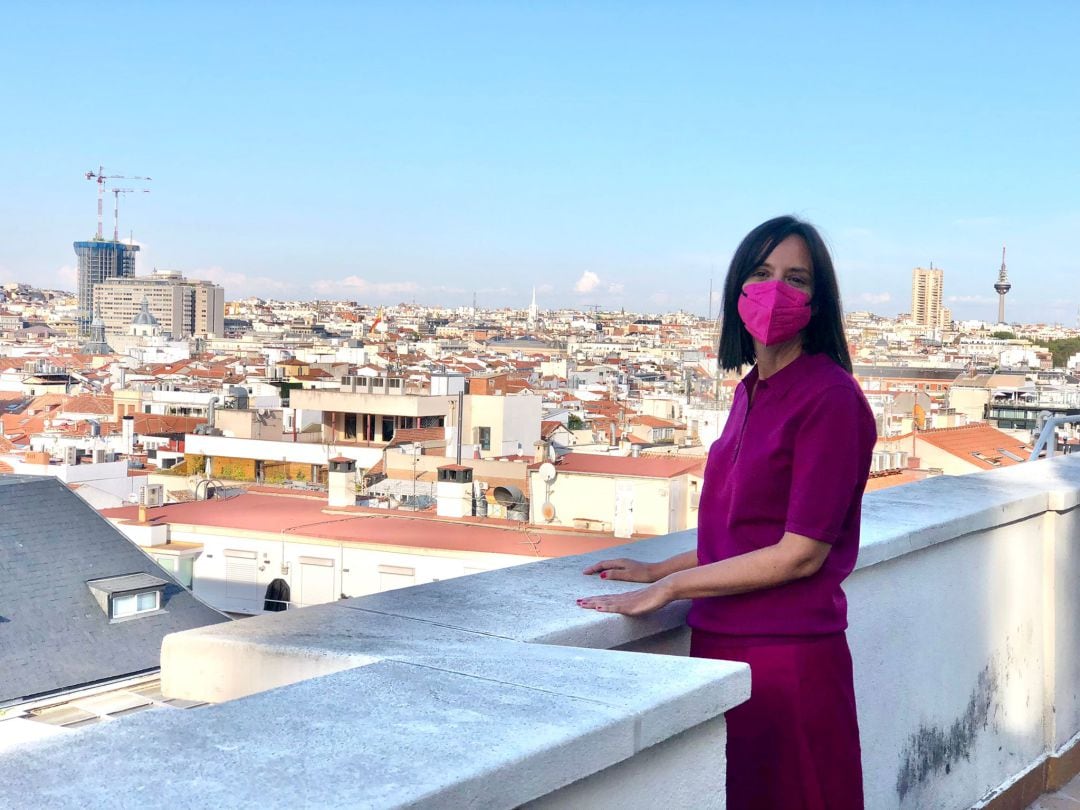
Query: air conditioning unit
{"type": "Point", "coordinates": [71, 456]}
{"type": "Point", "coordinates": [99, 455]}
{"type": "Point", "coordinates": [151, 495]}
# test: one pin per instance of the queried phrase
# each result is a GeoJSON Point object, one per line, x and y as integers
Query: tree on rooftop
{"type": "Point", "coordinates": [1062, 349]}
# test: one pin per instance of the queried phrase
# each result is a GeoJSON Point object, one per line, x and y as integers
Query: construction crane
{"type": "Point", "coordinates": [101, 179]}
{"type": "Point", "coordinates": [116, 207]}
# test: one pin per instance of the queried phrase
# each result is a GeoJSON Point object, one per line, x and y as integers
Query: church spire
{"type": "Point", "coordinates": [534, 311]}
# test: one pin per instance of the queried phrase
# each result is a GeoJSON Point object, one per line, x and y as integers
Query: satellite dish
{"type": "Point", "coordinates": [548, 511]}
{"type": "Point", "coordinates": [548, 472]}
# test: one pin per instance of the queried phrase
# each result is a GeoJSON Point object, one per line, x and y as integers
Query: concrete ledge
{"type": "Point", "coordinates": [499, 726]}
{"type": "Point", "coordinates": [904, 519]}
{"type": "Point", "coordinates": [496, 690]}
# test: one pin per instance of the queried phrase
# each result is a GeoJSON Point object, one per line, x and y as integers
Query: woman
{"type": "Point", "coordinates": [778, 529]}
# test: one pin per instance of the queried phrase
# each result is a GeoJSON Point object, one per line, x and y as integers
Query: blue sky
{"type": "Point", "coordinates": [607, 153]}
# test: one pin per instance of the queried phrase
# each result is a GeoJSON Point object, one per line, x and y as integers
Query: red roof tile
{"type": "Point", "coordinates": [978, 444]}
{"type": "Point", "coordinates": [88, 403]}
{"type": "Point", "coordinates": [642, 467]}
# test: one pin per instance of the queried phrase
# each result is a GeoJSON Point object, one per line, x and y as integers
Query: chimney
{"type": "Point", "coordinates": [453, 491]}
{"type": "Point", "coordinates": [540, 451]}
{"type": "Point", "coordinates": [128, 427]}
{"type": "Point", "coordinates": [342, 482]}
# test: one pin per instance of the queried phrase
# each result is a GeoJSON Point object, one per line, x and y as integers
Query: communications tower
{"type": "Point", "coordinates": [1002, 286]}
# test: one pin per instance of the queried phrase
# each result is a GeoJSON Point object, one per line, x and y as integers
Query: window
{"type": "Point", "coordinates": [241, 575]}
{"type": "Point", "coordinates": [135, 603]}
{"type": "Point", "coordinates": [392, 577]}
{"type": "Point", "coordinates": [483, 437]}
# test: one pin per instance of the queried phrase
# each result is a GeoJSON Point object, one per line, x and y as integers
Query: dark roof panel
{"type": "Point", "coordinates": [53, 634]}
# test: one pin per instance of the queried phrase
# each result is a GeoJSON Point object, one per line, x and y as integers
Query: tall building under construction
{"type": "Point", "coordinates": [100, 260]}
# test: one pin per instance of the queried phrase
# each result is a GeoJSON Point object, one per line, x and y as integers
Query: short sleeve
{"type": "Point", "coordinates": [830, 463]}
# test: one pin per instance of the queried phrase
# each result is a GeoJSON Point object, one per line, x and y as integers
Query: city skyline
{"type": "Point", "coordinates": [603, 158]}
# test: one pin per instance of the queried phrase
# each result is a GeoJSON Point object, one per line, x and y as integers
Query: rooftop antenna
{"type": "Point", "coordinates": [101, 179]}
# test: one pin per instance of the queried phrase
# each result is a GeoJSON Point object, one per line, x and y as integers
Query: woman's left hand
{"type": "Point", "coordinates": [631, 603]}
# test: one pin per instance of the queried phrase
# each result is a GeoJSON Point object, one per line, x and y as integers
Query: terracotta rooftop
{"type": "Point", "coordinates": [407, 435]}
{"type": "Point", "coordinates": [642, 467]}
{"type": "Point", "coordinates": [654, 422]}
{"type": "Point", "coordinates": [88, 403]}
{"type": "Point", "coordinates": [549, 426]}
{"type": "Point", "coordinates": [893, 478]}
{"type": "Point", "coordinates": [978, 444]}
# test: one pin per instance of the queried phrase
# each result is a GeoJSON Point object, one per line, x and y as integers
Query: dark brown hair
{"type": "Point", "coordinates": [824, 333]}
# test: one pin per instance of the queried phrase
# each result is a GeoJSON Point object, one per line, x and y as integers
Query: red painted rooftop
{"type": "Point", "coordinates": [642, 467]}
{"type": "Point", "coordinates": [299, 516]}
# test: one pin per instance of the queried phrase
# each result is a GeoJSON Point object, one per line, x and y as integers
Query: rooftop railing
{"type": "Point", "coordinates": [495, 690]}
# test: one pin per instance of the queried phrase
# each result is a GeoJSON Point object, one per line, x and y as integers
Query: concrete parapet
{"type": "Point", "coordinates": [496, 690]}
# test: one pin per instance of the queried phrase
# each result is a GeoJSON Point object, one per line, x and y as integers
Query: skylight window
{"type": "Point", "coordinates": [132, 604]}
{"type": "Point", "coordinates": [129, 596]}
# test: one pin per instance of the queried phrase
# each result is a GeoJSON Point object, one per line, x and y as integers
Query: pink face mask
{"type": "Point", "coordinates": [773, 311]}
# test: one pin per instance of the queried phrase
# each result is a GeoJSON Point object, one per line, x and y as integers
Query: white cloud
{"type": "Point", "coordinates": [588, 282]}
{"type": "Point", "coordinates": [354, 285]}
{"type": "Point", "coordinates": [69, 275]}
{"type": "Point", "coordinates": [239, 285]}
{"type": "Point", "coordinates": [876, 298]}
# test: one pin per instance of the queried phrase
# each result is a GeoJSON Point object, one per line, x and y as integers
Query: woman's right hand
{"type": "Point", "coordinates": [625, 570]}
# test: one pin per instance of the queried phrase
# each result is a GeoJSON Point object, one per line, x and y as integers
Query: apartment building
{"type": "Point", "coordinates": [182, 307]}
{"type": "Point", "coordinates": [926, 296]}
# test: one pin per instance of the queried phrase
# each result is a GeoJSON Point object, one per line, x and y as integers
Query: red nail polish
{"type": "Point", "coordinates": [603, 575]}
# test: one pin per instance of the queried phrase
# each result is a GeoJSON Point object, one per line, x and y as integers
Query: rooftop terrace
{"type": "Point", "coordinates": [495, 690]}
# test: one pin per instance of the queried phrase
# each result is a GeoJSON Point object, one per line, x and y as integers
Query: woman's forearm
{"type": "Point", "coordinates": [763, 568]}
{"type": "Point", "coordinates": [672, 565]}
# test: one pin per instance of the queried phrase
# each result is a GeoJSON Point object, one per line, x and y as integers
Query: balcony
{"type": "Point", "coordinates": [495, 690]}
